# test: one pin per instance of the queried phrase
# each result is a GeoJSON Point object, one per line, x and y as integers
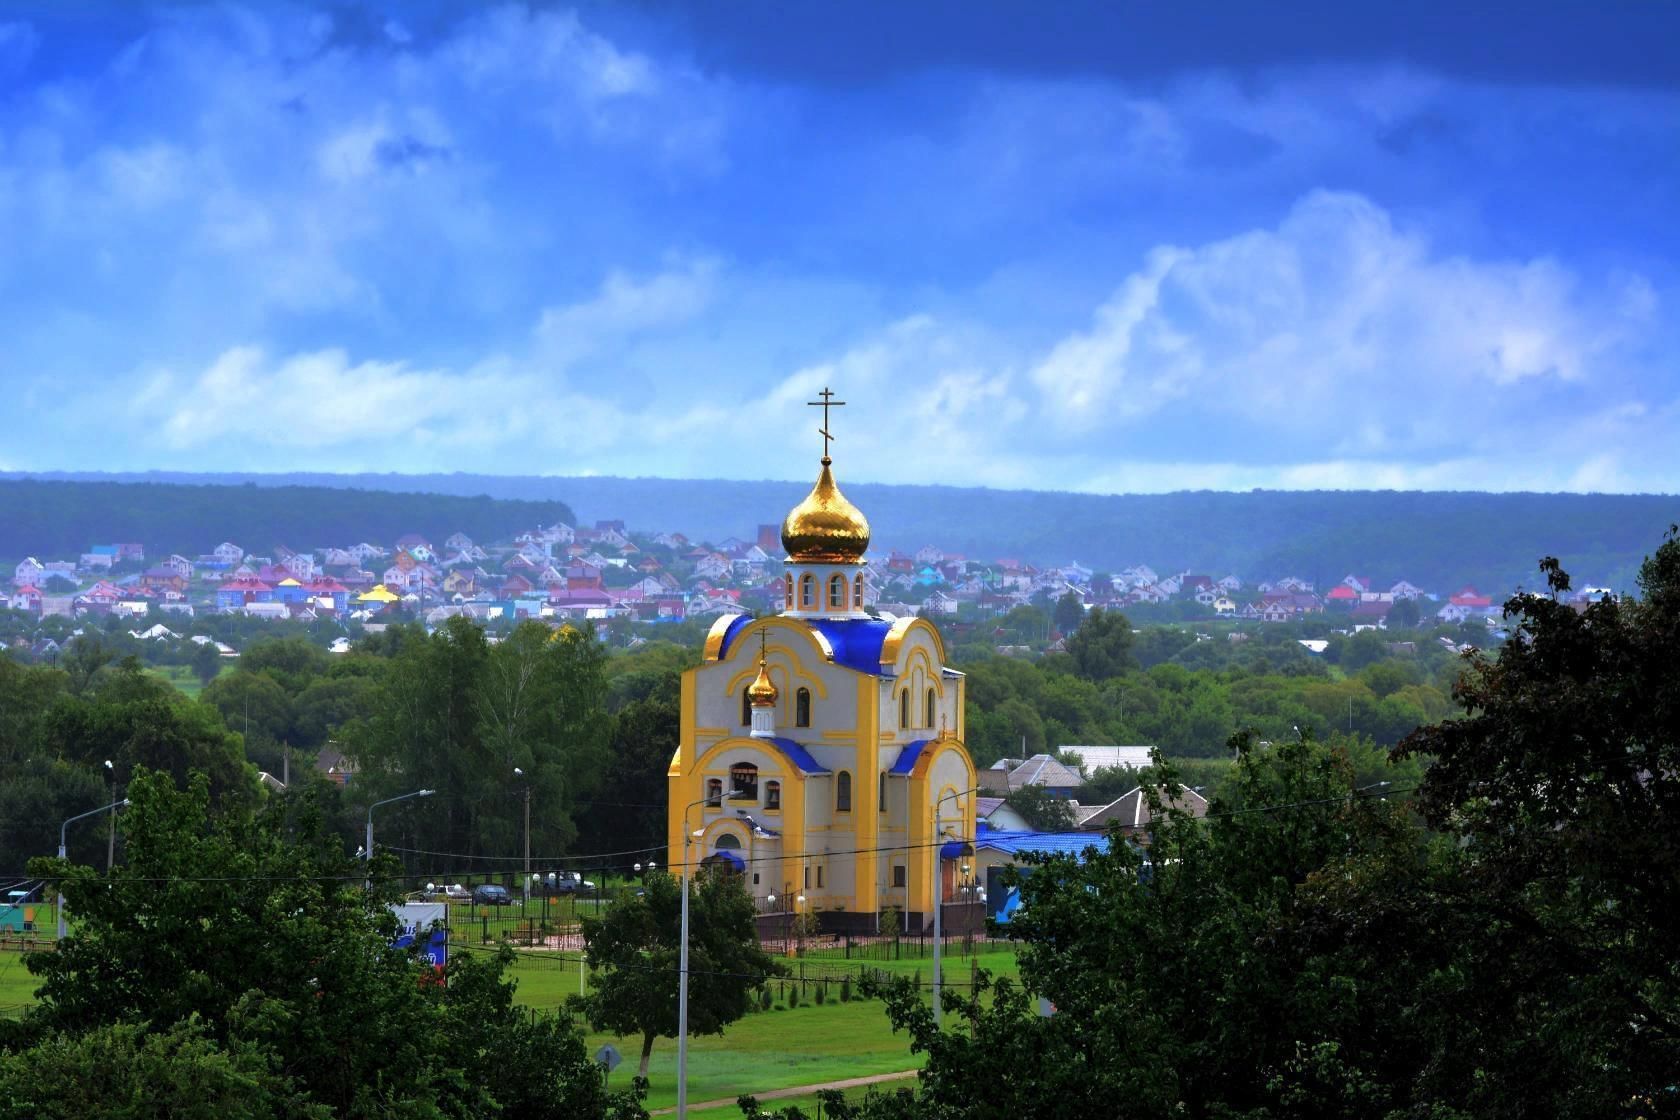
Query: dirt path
{"type": "Point", "coordinates": [795, 1091]}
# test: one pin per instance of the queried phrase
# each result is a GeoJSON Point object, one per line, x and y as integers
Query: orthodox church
{"type": "Point", "coordinates": [821, 753]}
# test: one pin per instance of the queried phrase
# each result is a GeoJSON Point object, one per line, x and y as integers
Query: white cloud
{"type": "Point", "coordinates": [321, 400]}
{"type": "Point", "coordinates": [625, 305]}
{"type": "Point", "coordinates": [1336, 313]}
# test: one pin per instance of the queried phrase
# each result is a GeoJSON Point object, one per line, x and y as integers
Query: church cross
{"type": "Point", "coordinates": [825, 404]}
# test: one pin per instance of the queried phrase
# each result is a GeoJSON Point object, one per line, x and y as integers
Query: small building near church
{"type": "Point", "coordinates": [821, 753]}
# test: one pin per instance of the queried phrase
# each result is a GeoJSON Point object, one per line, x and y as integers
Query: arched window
{"type": "Point", "coordinates": [714, 792]}
{"type": "Point", "coordinates": [746, 708]}
{"type": "Point", "coordinates": [802, 708]}
{"type": "Point", "coordinates": [743, 782]}
{"type": "Point", "coordinates": [904, 708]}
{"type": "Point", "coordinates": [807, 591]}
{"type": "Point", "coordinates": [788, 580]}
{"type": "Point", "coordinates": [772, 795]}
{"type": "Point", "coordinates": [843, 792]}
{"type": "Point", "coordinates": [883, 793]}
{"type": "Point", "coordinates": [728, 842]}
{"type": "Point", "coordinates": [857, 592]}
{"type": "Point", "coordinates": [837, 593]}
{"type": "Point", "coordinates": [930, 707]}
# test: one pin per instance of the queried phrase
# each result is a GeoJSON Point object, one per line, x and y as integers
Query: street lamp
{"type": "Point", "coordinates": [64, 848]}
{"type": "Point", "coordinates": [111, 827]}
{"type": "Point", "coordinates": [682, 979]}
{"type": "Point", "coordinates": [938, 899]}
{"type": "Point", "coordinates": [367, 849]}
{"type": "Point", "coordinates": [518, 773]}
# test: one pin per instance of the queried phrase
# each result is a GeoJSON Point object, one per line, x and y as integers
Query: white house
{"type": "Point", "coordinates": [27, 573]}
{"type": "Point", "coordinates": [228, 553]}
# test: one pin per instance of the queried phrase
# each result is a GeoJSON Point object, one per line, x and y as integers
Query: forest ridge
{"type": "Point", "coordinates": [1439, 539]}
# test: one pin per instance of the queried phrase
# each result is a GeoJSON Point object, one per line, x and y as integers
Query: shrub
{"type": "Point", "coordinates": [793, 996]}
{"type": "Point", "coordinates": [845, 989]}
{"type": "Point", "coordinates": [821, 992]}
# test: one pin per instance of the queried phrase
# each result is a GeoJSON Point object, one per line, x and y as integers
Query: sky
{"type": "Point", "coordinates": [1115, 247]}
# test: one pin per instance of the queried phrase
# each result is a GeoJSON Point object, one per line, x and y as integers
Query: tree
{"type": "Point", "coordinates": [206, 662]}
{"type": "Point", "coordinates": [456, 714]}
{"type": "Point", "coordinates": [1102, 646]}
{"type": "Point", "coordinates": [636, 945]}
{"type": "Point", "coordinates": [83, 659]}
{"type": "Point", "coordinates": [1069, 613]}
{"type": "Point", "coordinates": [247, 932]}
{"type": "Point", "coordinates": [129, 1071]}
{"type": "Point", "coordinates": [1042, 811]}
{"type": "Point", "coordinates": [1404, 614]}
{"type": "Point", "coordinates": [1561, 782]}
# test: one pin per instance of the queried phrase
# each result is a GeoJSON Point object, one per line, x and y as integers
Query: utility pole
{"type": "Point", "coordinates": [525, 880]}
{"type": "Point", "coordinates": [111, 827]}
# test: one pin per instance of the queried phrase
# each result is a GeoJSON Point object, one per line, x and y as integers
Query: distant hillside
{"type": "Point", "coordinates": [53, 518]}
{"type": "Point", "coordinates": [1438, 540]}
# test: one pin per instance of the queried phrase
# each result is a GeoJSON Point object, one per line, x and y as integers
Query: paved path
{"type": "Point", "coordinates": [796, 1090]}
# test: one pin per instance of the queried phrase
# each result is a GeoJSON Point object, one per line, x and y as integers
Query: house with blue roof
{"type": "Point", "coordinates": [821, 753]}
{"type": "Point", "coordinates": [993, 851]}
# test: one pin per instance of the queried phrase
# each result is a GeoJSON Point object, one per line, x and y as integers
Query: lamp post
{"type": "Point", "coordinates": [682, 979]}
{"type": "Point", "coordinates": [518, 773]}
{"type": "Point", "coordinates": [111, 825]}
{"type": "Point", "coordinates": [64, 848]}
{"type": "Point", "coordinates": [367, 848]}
{"type": "Point", "coordinates": [939, 901]}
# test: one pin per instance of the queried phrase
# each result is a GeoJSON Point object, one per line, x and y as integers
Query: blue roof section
{"type": "Point", "coordinates": [908, 755]}
{"type": "Point", "coordinates": [799, 756]}
{"type": "Point", "coordinates": [1048, 843]}
{"type": "Point", "coordinates": [856, 641]}
{"type": "Point", "coordinates": [730, 633]}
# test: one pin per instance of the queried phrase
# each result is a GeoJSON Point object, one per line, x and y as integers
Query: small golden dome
{"type": "Point", "coordinates": [761, 693]}
{"type": "Point", "coordinates": [825, 528]}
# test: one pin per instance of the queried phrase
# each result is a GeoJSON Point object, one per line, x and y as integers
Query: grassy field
{"type": "Point", "coordinates": [767, 1050]}
{"type": "Point", "coordinates": [181, 676]}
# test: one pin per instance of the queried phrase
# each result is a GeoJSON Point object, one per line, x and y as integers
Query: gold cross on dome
{"type": "Point", "coordinates": [825, 404]}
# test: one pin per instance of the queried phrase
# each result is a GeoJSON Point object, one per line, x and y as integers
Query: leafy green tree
{"type": "Point", "coordinates": [1043, 811]}
{"type": "Point", "coordinates": [129, 1071]}
{"type": "Point", "coordinates": [455, 714]}
{"type": "Point", "coordinates": [636, 947]}
{"type": "Point", "coordinates": [1102, 646]}
{"type": "Point", "coordinates": [255, 706]}
{"type": "Point", "coordinates": [253, 925]}
{"type": "Point", "coordinates": [83, 659]}
{"type": "Point", "coordinates": [136, 720]}
{"type": "Point", "coordinates": [1069, 612]}
{"type": "Point", "coordinates": [627, 812]}
{"type": "Point", "coordinates": [1404, 614]}
{"type": "Point", "coordinates": [206, 662]}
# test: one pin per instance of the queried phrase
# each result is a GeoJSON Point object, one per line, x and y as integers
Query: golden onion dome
{"type": "Point", "coordinates": [761, 693]}
{"type": "Point", "coordinates": [825, 528]}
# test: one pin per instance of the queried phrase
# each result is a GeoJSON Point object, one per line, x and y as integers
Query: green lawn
{"type": "Point", "coordinates": [766, 1050]}
{"type": "Point", "coordinates": [774, 1050]}
{"type": "Point", "coordinates": [17, 986]}
{"type": "Point", "coordinates": [181, 676]}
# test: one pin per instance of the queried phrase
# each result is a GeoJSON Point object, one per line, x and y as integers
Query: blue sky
{"type": "Point", "coordinates": [1081, 246]}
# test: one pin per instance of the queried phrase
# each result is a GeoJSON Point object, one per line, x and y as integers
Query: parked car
{"type": "Point", "coordinates": [569, 882]}
{"type": "Point", "coordinates": [452, 892]}
{"type": "Point", "coordinates": [489, 894]}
